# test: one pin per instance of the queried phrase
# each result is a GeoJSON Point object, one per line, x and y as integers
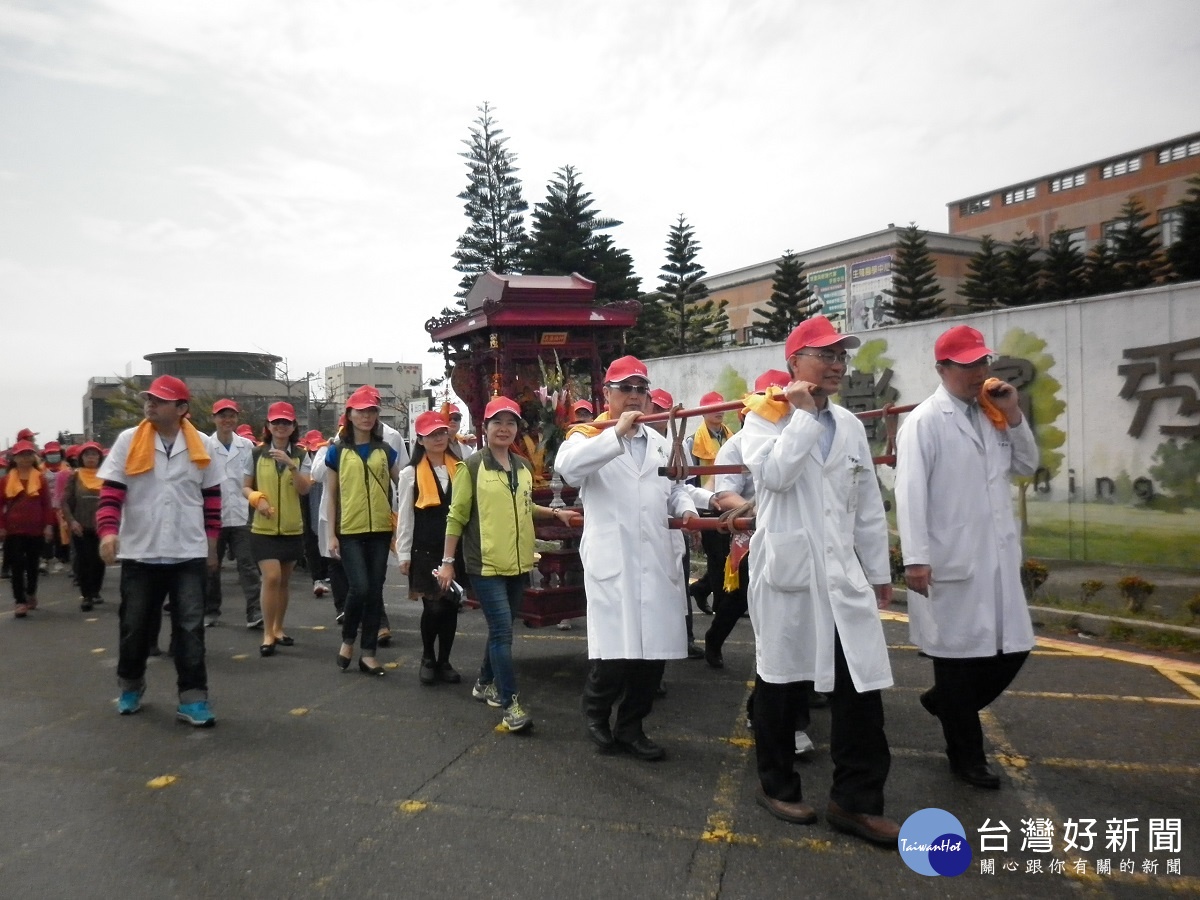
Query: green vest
{"type": "Point", "coordinates": [364, 491]}
{"type": "Point", "coordinates": [280, 490]}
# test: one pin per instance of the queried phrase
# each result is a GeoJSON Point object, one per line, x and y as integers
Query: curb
{"type": "Point", "coordinates": [1099, 622]}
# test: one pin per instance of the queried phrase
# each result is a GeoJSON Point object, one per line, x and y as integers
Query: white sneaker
{"type": "Point", "coordinates": [564, 625]}
{"type": "Point", "coordinates": [804, 743]}
{"type": "Point", "coordinates": [319, 589]}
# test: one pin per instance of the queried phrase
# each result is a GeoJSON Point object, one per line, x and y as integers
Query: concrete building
{"type": "Point", "coordinates": [1086, 199]}
{"type": "Point", "coordinates": [251, 379]}
{"type": "Point", "coordinates": [397, 383]}
{"type": "Point", "coordinates": [850, 278]}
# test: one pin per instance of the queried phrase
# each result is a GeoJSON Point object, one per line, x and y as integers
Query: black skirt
{"type": "Point", "coordinates": [287, 548]}
{"type": "Point", "coordinates": [423, 562]}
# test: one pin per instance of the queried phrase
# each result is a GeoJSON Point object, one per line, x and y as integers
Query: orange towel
{"type": "Point", "coordinates": [586, 428]}
{"type": "Point", "coordinates": [772, 405]}
{"type": "Point", "coordinates": [141, 451]}
{"type": "Point", "coordinates": [427, 492]}
{"type": "Point", "coordinates": [89, 479]}
{"type": "Point", "coordinates": [13, 485]}
{"type": "Point", "coordinates": [988, 407]}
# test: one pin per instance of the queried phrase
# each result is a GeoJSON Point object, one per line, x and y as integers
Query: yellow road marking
{"type": "Point", "coordinates": [162, 781]}
{"type": "Point", "coordinates": [1178, 678]}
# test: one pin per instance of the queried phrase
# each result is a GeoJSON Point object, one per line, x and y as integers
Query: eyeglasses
{"type": "Point", "coordinates": [281, 422]}
{"type": "Point", "coordinates": [828, 356]}
{"type": "Point", "coordinates": [981, 363]}
{"type": "Point", "coordinates": [456, 418]}
{"type": "Point", "coordinates": [630, 388]}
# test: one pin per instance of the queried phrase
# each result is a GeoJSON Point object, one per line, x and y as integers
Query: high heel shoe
{"type": "Point", "coordinates": [370, 670]}
{"type": "Point", "coordinates": [266, 650]}
{"type": "Point", "coordinates": [343, 662]}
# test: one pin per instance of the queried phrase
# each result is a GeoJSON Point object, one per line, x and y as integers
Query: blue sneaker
{"type": "Point", "coordinates": [197, 714]}
{"type": "Point", "coordinates": [129, 702]}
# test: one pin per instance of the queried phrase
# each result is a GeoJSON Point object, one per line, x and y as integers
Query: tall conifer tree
{"type": "Point", "coordinates": [791, 301]}
{"type": "Point", "coordinates": [915, 293]}
{"type": "Point", "coordinates": [1021, 283]}
{"type": "Point", "coordinates": [1062, 268]}
{"type": "Point", "coordinates": [693, 321]}
{"type": "Point", "coordinates": [983, 288]}
{"type": "Point", "coordinates": [1184, 254]}
{"type": "Point", "coordinates": [1137, 253]}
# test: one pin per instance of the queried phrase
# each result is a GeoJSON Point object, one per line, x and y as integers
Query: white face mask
{"type": "Point", "coordinates": [53, 457]}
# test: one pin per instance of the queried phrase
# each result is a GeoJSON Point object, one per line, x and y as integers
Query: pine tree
{"type": "Point", "coordinates": [648, 337]}
{"type": "Point", "coordinates": [1062, 268]}
{"type": "Point", "coordinates": [1137, 253]}
{"type": "Point", "coordinates": [693, 321]}
{"type": "Point", "coordinates": [791, 301]}
{"type": "Point", "coordinates": [564, 239]}
{"type": "Point", "coordinates": [983, 288]}
{"type": "Point", "coordinates": [915, 292]}
{"type": "Point", "coordinates": [495, 238]}
{"type": "Point", "coordinates": [1184, 254]}
{"type": "Point", "coordinates": [1021, 284]}
{"type": "Point", "coordinates": [1100, 271]}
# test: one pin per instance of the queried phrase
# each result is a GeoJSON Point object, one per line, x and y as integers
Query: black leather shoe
{"type": "Point", "coordinates": [979, 775]}
{"type": "Point", "coordinates": [428, 673]}
{"type": "Point", "coordinates": [796, 812]}
{"type": "Point", "coordinates": [601, 735]}
{"type": "Point", "coordinates": [695, 652]}
{"type": "Point", "coordinates": [713, 656]}
{"type": "Point", "coordinates": [370, 670]}
{"type": "Point", "coordinates": [448, 674]}
{"type": "Point", "coordinates": [343, 662]}
{"type": "Point", "coordinates": [927, 702]}
{"type": "Point", "coordinates": [285, 641]}
{"type": "Point", "coordinates": [641, 747]}
{"type": "Point", "coordinates": [266, 650]}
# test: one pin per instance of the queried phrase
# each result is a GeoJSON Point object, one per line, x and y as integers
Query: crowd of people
{"type": "Point", "coordinates": [168, 503]}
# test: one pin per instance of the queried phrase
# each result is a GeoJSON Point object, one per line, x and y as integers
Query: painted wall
{"type": "Point", "coordinates": [1112, 386]}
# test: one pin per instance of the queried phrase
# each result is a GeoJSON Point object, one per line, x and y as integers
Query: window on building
{"type": "Point", "coordinates": [1112, 230]}
{"type": "Point", "coordinates": [971, 207]}
{"type": "Point", "coordinates": [1120, 167]}
{"type": "Point", "coordinates": [1066, 182]}
{"type": "Point", "coordinates": [1169, 223]}
{"type": "Point", "coordinates": [1079, 240]}
{"type": "Point", "coordinates": [1020, 195]}
{"type": "Point", "coordinates": [1178, 151]}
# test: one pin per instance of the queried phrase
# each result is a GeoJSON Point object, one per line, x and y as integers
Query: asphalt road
{"type": "Point", "coordinates": [316, 783]}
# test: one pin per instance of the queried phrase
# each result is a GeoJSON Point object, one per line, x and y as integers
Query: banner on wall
{"type": "Point", "coordinates": [829, 289]}
{"type": "Point", "coordinates": [870, 279]}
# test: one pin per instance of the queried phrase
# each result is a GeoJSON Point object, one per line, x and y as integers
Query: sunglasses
{"type": "Point", "coordinates": [630, 388]}
{"type": "Point", "coordinates": [281, 422]}
{"type": "Point", "coordinates": [828, 356]}
{"type": "Point", "coordinates": [980, 363]}
{"type": "Point", "coordinates": [456, 418]}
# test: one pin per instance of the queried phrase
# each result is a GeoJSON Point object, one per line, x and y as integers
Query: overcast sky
{"type": "Point", "coordinates": [282, 175]}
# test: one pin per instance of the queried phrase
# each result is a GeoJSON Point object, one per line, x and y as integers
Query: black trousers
{"type": "Point", "coordinates": [963, 687]}
{"type": "Point", "coordinates": [730, 610]}
{"type": "Point", "coordinates": [89, 567]}
{"type": "Point", "coordinates": [857, 743]}
{"type": "Point", "coordinates": [607, 679]}
{"type": "Point", "coordinates": [23, 553]}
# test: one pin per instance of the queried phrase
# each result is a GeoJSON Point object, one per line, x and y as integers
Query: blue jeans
{"type": "Point", "coordinates": [144, 587]}
{"type": "Point", "coordinates": [500, 598]}
{"type": "Point", "coordinates": [364, 559]}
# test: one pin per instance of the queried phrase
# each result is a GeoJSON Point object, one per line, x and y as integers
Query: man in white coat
{"type": "Point", "coordinates": [819, 573]}
{"type": "Point", "coordinates": [961, 544]}
{"type": "Point", "coordinates": [634, 582]}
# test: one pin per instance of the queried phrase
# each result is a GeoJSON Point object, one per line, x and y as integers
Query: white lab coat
{"type": "Point", "coordinates": [815, 522]}
{"type": "Point", "coordinates": [636, 597]}
{"type": "Point", "coordinates": [955, 514]}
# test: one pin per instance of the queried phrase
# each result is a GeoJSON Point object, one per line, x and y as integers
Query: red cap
{"type": "Point", "coordinates": [450, 409]}
{"type": "Point", "coordinates": [223, 404]}
{"type": "Point", "coordinates": [311, 439]}
{"type": "Point", "coordinates": [430, 421]}
{"type": "Point", "coordinates": [73, 451]}
{"type": "Point", "coordinates": [52, 447]}
{"type": "Point", "coordinates": [498, 405]}
{"type": "Point", "coordinates": [245, 431]}
{"type": "Point", "coordinates": [626, 367]}
{"type": "Point", "coordinates": [91, 445]}
{"type": "Point", "coordinates": [22, 447]}
{"type": "Point", "coordinates": [710, 398]}
{"type": "Point", "coordinates": [771, 378]}
{"type": "Point", "coordinates": [583, 404]}
{"type": "Point", "coordinates": [364, 398]}
{"type": "Point", "coordinates": [26, 435]}
{"type": "Point", "coordinates": [168, 387]}
{"type": "Point", "coordinates": [816, 332]}
{"type": "Point", "coordinates": [961, 344]}
{"type": "Point", "coordinates": [281, 410]}
{"type": "Point", "coordinates": [661, 399]}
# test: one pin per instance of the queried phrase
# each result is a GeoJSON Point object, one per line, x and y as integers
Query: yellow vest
{"type": "Point", "coordinates": [280, 490]}
{"type": "Point", "coordinates": [364, 492]}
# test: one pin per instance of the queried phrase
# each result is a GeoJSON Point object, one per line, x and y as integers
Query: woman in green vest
{"type": "Point", "coordinates": [274, 486]}
{"type": "Point", "coordinates": [361, 472]}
